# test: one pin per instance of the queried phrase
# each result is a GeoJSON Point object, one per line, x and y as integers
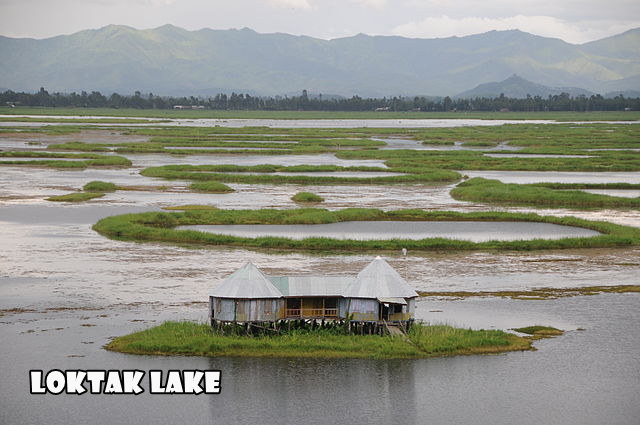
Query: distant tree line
{"type": "Point", "coordinates": [234, 101]}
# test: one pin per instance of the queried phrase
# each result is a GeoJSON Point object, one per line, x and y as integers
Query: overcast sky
{"type": "Point", "coordinates": [575, 21]}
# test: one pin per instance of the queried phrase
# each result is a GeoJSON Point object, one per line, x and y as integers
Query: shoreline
{"type": "Point", "coordinates": [426, 341]}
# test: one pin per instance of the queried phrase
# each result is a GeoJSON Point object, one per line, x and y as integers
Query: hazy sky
{"type": "Point", "coordinates": [575, 21]}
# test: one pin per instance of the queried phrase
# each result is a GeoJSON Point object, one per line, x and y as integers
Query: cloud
{"type": "Point", "coordinates": [376, 4]}
{"type": "Point", "coordinates": [572, 32]}
{"type": "Point", "coordinates": [290, 4]}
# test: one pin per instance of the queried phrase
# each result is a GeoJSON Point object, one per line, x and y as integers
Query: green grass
{"type": "Point", "coordinates": [496, 192]}
{"type": "Point", "coordinates": [193, 339]}
{"type": "Point", "coordinates": [211, 187]}
{"type": "Point", "coordinates": [540, 331]}
{"type": "Point", "coordinates": [57, 160]}
{"type": "Point", "coordinates": [100, 186]}
{"type": "Point", "coordinates": [159, 227]}
{"type": "Point", "coordinates": [307, 197]}
{"type": "Point", "coordinates": [226, 174]}
{"type": "Point", "coordinates": [75, 197]}
{"type": "Point", "coordinates": [193, 114]}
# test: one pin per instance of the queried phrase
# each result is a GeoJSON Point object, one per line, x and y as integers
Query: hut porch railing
{"type": "Point", "coordinates": [312, 312]}
{"type": "Point", "coordinates": [398, 317]}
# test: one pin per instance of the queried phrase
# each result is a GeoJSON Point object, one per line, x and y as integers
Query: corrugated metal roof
{"type": "Point", "coordinates": [246, 282]}
{"type": "Point", "coordinates": [378, 280]}
{"type": "Point", "coordinates": [390, 300]}
{"type": "Point", "coordinates": [312, 286]}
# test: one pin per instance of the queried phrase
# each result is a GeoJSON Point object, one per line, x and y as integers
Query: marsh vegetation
{"type": "Point", "coordinates": [194, 339]}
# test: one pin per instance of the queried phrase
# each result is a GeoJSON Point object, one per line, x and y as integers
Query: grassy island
{"type": "Point", "coordinates": [62, 160]}
{"type": "Point", "coordinates": [76, 197]}
{"type": "Point", "coordinates": [493, 191]}
{"type": "Point", "coordinates": [538, 331]}
{"type": "Point", "coordinates": [264, 174]}
{"type": "Point", "coordinates": [160, 227]}
{"type": "Point", "coordinates": [307, 197]}
{"type": "Point", "coordinates": [194, 339]}
{"type": "Point", "coordinates": [211, 187]}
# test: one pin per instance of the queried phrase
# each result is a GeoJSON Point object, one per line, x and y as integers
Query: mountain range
{"type": "Point", "coordinates": [169, 60]}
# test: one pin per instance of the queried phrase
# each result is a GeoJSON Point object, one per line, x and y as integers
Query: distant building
{"type": "Point", "coordinates": [377, 294]}
{"type": "Point", "coordinates": [188, 107]}
{"type": "Point", "coordinates": [382, 109]}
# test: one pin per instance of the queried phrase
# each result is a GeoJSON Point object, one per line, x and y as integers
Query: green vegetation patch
{"type": "Point", "coordinates": [226, 174]}
{"type": "Point", "coordinates": [540, 331]}
{"type": "Point", "coordinates": [193, 339]}
{"type": "Point", "coordinates": [537, 294]}
{"type": "Point", "coordinates": [57, 160]}
{"type": "Point", "coordinates": [100, 186]}
{"type": "Point", "coordinates": [75, 197]}
{"type": "Point", "coordinates": [307, 197]}
{"type": "Point", "coordinates": [211, 187]}
{"type": "Point", "coordinates": [493, 191]}
{"type": "Point", "coordinates": [159, 227]}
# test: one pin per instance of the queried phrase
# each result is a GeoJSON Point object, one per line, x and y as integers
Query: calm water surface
{"type": "Point", "coordinates": [584, 377]}
{"type": "Point", "coordinates": [476, 231]}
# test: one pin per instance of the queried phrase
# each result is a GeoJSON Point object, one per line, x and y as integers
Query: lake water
{"type": "Point", "coordinates": [476, 231]}
{"type": "Point", "coordinates": [155, 160]}
{"type": "Point", "coordinates": [80, 289]}
{"type": "Point", "coordinates": [293, 123]}
{"type": "Point", "coordinates": [395, 143]}
{"type": "Point", "coordinates": [533, 155]}
{"type": "Point", "coordinates": [588, 377]}
{"type": "Point", "coordinates": [625, 193]}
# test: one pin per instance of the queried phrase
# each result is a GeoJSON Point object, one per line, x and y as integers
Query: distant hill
{"type": "Point", "coordinates": [518, 87]}
{"type": "Point", "coordinates": [172, 61]}
{"type": "Point", "coordinates": [625, 93]}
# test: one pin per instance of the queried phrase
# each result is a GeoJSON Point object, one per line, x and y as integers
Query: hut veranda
{"type": "Point", "coordinates": [369, 302]}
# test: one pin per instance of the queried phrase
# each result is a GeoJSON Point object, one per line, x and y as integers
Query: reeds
{"type": "Point", "coordinates": [193, 339]}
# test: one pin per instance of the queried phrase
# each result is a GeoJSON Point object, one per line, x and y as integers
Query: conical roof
{"type": "Point", "coordinates": [379, 280]}
{"type": "Point", "coordinates": [246, 282]}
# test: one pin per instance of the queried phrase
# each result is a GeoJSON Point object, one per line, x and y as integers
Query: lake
{"type": "Point", "coordinates": [476, 231]}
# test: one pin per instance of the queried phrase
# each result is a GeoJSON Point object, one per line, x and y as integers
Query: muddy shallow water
{"type": "Point", "coordinates": [479, 231]}
{"type": "Point", "coordinates": [585, 377]}
{"type": "Point", "coordinates": [78, 289]}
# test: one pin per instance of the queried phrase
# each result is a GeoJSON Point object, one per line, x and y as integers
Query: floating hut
{"type": "Point", "coordinates": [377, 295]}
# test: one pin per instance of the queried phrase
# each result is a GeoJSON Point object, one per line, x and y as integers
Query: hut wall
{"type": "Point", "coordinates": [411, 306]}
{"type": "Point", "coordinates": [259, 310]}
{"type": "Point", "coordinates": [364, 309]}
{"type": "Point", "coordinates": [343, 307]}
{"type": "Point", "coordinates": [223, 308]}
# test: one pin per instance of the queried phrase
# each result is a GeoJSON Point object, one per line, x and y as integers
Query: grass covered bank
{"type": "Point", "coordinates": [494, 191]}
{"type": "Point", "coordinates": [160, 227]}
{"type": "Point", "coordinates": [194, 339]}
{"type": "Point", "coordinates": [226, 173]}
{"type": "Point", "coordinates": [76, 197]}
{"type": "Point", "coordinates": [63, 160]}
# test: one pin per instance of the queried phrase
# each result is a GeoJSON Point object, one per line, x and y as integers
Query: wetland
{"type": "Point", "coordinates": [68, 290]}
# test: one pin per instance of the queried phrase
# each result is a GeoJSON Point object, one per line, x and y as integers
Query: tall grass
{"type": "Point", "coordinates": [100, 186]}
{"type": "Point", "coordinates": [193, 339]}
{"type": "Point", "coordinates": [307, 197]}
{"type": "Point", "coordinates": [211, 187]}
{"type": "Point", "coordinates": [201, 173]}
{"type": "Point", "coordinates": [142, 227]}
{"type": "Point", "coordinates": [494, 191]}
{"type": "Point", "coordinates": [75, 197]}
